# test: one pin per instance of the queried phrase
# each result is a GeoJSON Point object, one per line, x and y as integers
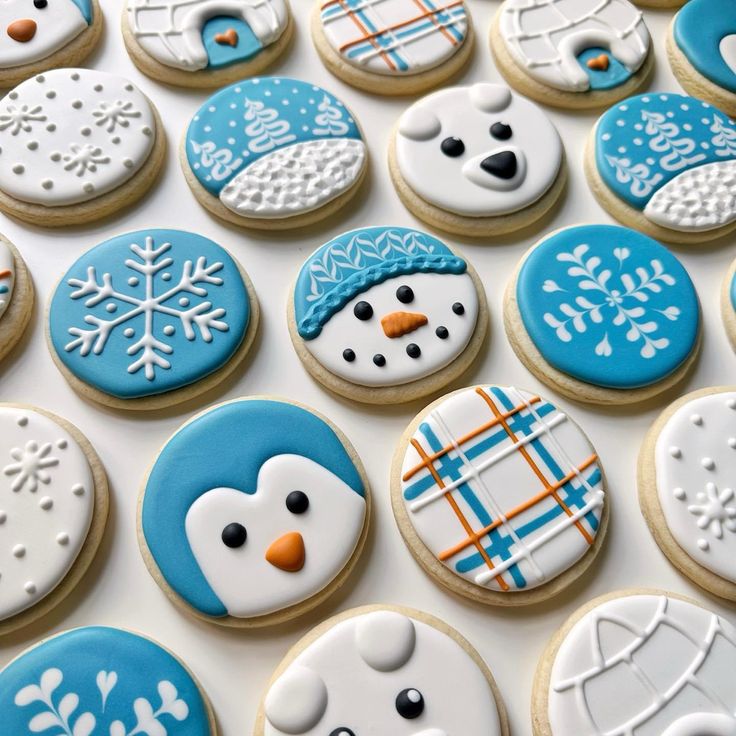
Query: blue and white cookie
{"type": "Point", "coordinates": [151, 318]}
{"type": "Point", "coordinates": [273, 153]}
{"type": "Point", "coordinates": [268, 531]}
{"type": "Point", "coordinates": [16, 296]}
{"type": "Point", "coordinates": [665, 164]}
{"type": "Point", "coordinates": [728, 303]}
{"type": "Point", "coordinates": [603, 314]}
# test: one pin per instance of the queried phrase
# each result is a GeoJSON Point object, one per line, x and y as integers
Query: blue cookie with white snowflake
{"type": "Point", "coordinates": [98, 680]}
{"type": "Point", "coordinates": [151, 318]}
{"type": "Point", "coordinates": [603, 314]}
{"type": "Point", "coordinates": [666, 165]}
{"type": "Point", "coordinates": [273, 153]}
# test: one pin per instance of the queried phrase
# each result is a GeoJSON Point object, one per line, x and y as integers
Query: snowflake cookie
{"type": "Point", "coordinates": [95, 681]}
{"type": "Point", "coordinates": [254, 512]}
{"type": "Point", "coordinates": [603, 314]}
{"type": "Point", "coordinates": [155, 316]}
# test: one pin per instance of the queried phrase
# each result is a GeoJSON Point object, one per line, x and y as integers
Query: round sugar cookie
{"type": "Point", "coordinates": [728, 303]}
{"type": "Point", "coordinates": [638, 661]}
{"type": "Point", "coordinates": [477, 161]}
{"type": "Point", "coordinates": [387, 314]}
{"type": "Point", "coordinates": [53, 511]}
{"type": "Point", "coordinates": [577, 54]}
{"type": "Point", "coordinates": [96, 680]}
{"type": "Point", "coordinates": [665, 164]}
{"type": "Point", "coordinates": [267, 532]}
{"type": "Point", "coordinates": [151, 318]}
{"type": "Point", "coordinates": [499, 495]}
{"type": "Point", "coordinates": [76, 145]}
{"type": "Point", "coordinates": [16, 296]}
{"type": "Point", "coordinates": [273, 153]}
{"type": "Point", "coordinates": [687, 466]}
{"type": "Point", "coordinates": [603, 314]}
{"type": "Point", "coordinates": [410, 674]}
{"type": "Point", "coordinates": [393, 47]}
{"type": "Point", "coordinates": [205, 43]}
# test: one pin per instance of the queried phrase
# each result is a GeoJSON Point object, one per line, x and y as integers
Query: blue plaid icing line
{"type": "Point", "coordinates": [471, 467]}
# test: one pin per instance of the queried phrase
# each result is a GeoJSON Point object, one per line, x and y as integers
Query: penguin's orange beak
{"type": "Point", "coordinates": [397, 324]}
{"type": "Point", "coordinates": [287, 552]}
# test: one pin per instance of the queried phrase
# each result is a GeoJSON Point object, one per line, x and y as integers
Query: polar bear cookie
{"type": "Point", "coordinates": [572, 53]}
{"type": "Point", "coordinates": [499, 495]}
{"type": "Point", "coordinates": [728, 303]}
{"type": "Point", "coordinates": [151, 318]}
{"type": "Point", "coordinates": [387, 314]}
{"type": "Point", "coordinates": [16, 296]}
{"type": "Point", "coordinates": [96, 680]}
{"type": "Point", "coordinates": [409, 675]}
{"type": "Point", "coordinates": [477, 160]}
{"type": "Point", "coordinates": [205, 43]}
{"type": "Point", "coordinates": [269, 530]}
{"type": "Point", "coordinates": [666, 165]}
{"type": "Point", "coordinates": [273, 153]}
{"type": "Point", "coordinates": [640, 663]}
{"type": "Point", "coordinates": [603, 314]}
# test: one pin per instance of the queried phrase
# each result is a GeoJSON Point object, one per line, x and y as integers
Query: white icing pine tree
{"type": "Point", "coordinates": [666, 140]}
{"type": "Point", "coordinates": [641, 178]}
{"type": "Point", "coordinates": [724, 139]}
{"type": "Point", "coordinates": [265, 129]}
{"type": "Point", "coordinates": [219, 161]}
{"type": "Point", "coordinates": [328, 120]}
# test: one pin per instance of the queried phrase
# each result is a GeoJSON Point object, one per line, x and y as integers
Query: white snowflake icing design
{"type": "Point", "coordinates": [112, 114]}
{"type": "Point", "coordinates": [82, 159]}
{"type": "Point", "coordinates": [17, 119]}
{"type": "Point", "coordinates": [713, 510]}
{"type": "Point", "coordinates": [29, 468]}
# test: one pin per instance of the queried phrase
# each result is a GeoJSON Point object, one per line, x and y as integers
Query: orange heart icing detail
{"type": "Point", "coordinates": [599, 63]}
{"type": "Point", "coordinates": [229, 38]}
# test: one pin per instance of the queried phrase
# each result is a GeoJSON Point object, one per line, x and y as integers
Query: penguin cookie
{"type": "Point", "coordinates": [16, 296]}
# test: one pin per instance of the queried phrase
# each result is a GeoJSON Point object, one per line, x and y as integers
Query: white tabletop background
{"type": "Point", "coordinates": [233, 666]}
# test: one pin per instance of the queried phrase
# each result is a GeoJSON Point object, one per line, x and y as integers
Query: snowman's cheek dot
{"type": "Point", "coordinates": [442, 332]}
{"type": "Point", "coordinates": [379, 360]}
{"type": "Point", "coordinates": [348, 355]}
{"type": "Point", "coordinates": [413, 350]}
{"type": "Point", "coordinates": [405, 294]}
{"type": "Point", "coordinates": [458, 308]}
{"type": "Point", "coordinates": [363, 311]}
{"type": "Point", "coordinates": [234, 535]}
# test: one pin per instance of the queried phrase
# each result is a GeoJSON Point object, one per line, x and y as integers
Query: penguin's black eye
{"type": "Point", "coordinates": [501, 131]}
{"type": "Point", "coordinates": [405, 294]}
{"type": "Point", "coordinates": [40, 4]}
{"type": "Point", "coordinates": [297, 502]}
{"type": "Point", "coordinates": [342, 731]}
{"type": "Point", "coordinates": [452, 147]}
{"type": "Point", "coordinates": [410, 703]}
{"type": "Point", "coordinates": [363, 311]}
{"type": "Point", "coordinates": [234, 535]}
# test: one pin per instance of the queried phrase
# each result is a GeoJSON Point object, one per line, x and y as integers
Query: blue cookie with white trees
{"type": "Point", "coordinates": [150, 318]}
{"type": "Point", "coordinates": [273, 152]}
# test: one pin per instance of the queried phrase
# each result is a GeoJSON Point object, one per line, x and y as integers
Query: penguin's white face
{"type": "Point", "coordinates": [264, 549]}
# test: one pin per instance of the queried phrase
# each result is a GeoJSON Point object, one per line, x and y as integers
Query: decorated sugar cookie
{"type": "Point", "coordinates": [16, 296]}
{"type": "Point", "coordinates": [271, 529]}
{"type": "Point", "coordinates": [205, 43]}
{"type": "Point", "coordinates": [666, 165]}
{"type": "Point", "coordinates": [100, 680]}
{"type": "Point", "coordinates": [603, 314]}
{"type": "Point", "coordinates": [53, 509]}
{"type": "Point", "coordinates": [478, 160]}
{"type": "Point", "coordinates": [572, 53]}
{"type": "Point", "coordinates": [387, 314]}
{"type": "Point", "coordinates": [409, 675]}
{"type": "Point", "coordinates": [151, 318]}
{"type": "Point", "coordinates": [728, 303]}
{"type": "Point", "coordinates": [273, 152]}
{"type": "Point", "coordinates": [499, 495]}
{"type": "Point", "coordinates": [393, 46]}
{"type": "Point", "coordinates": [638, 663]}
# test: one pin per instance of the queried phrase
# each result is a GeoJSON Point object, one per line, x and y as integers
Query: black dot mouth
{"type": "Point", "coordinates": [379, 360]}
{"type": "Point", "coordinates": [442, 332]}
{"type": "Point", "coordinates": [413, 350]}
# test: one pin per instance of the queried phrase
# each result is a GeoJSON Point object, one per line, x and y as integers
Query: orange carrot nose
{"type": "Point", "coordinates": [397, 324]}
{"type": "Point", "coordinates": [22, 30]}
{"type": "Point", "coordinates": [287, 552]}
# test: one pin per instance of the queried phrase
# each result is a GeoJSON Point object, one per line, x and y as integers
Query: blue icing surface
{"type": "Point", "coordinates": [250, 119]}
{"type": "Point", "coordinates": [608, 306]}
{"type": "Point", "coordinates": [85, 6]}
{"type": "Point", "coordinates": [112, 673]}
{"type": "Point", "coordinates": [195, 322]}
{"type": "Point", "coordinates": [699, 28]}
{"type": "Point", "coordinates": [733, 292]}
{"type": "Point", "coordinates": [646, 141]}
{"type": "Point", "coordinates": [225, 448]}
{"type": "Point", "coordinates": [221, 55]}
{"type": "Point", "coordinates": [614, 76]}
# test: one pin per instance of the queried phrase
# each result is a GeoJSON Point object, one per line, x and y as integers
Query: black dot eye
{"type": "Point", "coordinates": [442, 332]}
{"type": "Point", "coordinates": [348, 355]}
{"type": "Point", "coordinates": [234, 535]}
{"type": "Point", "coordinates": [342, 731]}
{"type": "Point", "coordinates": [452, 147]}
{"type": "Point", "coordinates": [40, 4]}
{"type": "Point", "coordinates": [410, 703]}
{"type": "Point", "coordinates": [413, 350]}
{"type": "Point", "coordinates": [405, 294]}
{"type": "Point", "coordinates": [501, 131]}
{"type": "Point", "coordinates": [363, 311]}
{"type": "Point", "coordinates": [379, 360]}
{"type": "Point", "coordinates": [458, 308]}
{"type": "Point", "coordinates": [297, 502]}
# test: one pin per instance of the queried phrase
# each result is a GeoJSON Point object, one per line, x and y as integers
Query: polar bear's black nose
{"type": "Point", "coordinates": [503, 165]}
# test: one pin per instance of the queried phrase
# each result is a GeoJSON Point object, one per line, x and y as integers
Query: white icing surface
{"type": "Point", "coordinates": [458, 700]}
{"type": "Point", "coordinates": [171, 30]}
{"type": "Point", "coordinates": [645, 665]}
{"type": "Point", "coordinates": [246, 583]}
{"type": "Point", "coordinates": [727, 48]}
{"type": "Point", "coordinates": [695, 463]}
{"type": "Point", "coordinates": [71, 135]}
{"type": "Point", "coordinates": [7, 277]}
{"type": "Point", "coordinates": [46, 504]}
{"type": "Point", "coordinates": [458, 184]}
{"type": "Point", "coordinates": [296, 179]}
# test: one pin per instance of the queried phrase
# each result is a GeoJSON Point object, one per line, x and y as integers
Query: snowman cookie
{"type": "Point", "coordinates": [410, 674]}
{"type": "Point", "coordinates": [477, 161]}
{"type": "Point", "coordinates": [393, 47]}
{"type": "Point", "coordinates": [603, 314]}
{"type": "Point", "coordinates": [266, 532]}
{"type": "Point", "coordinates": [16, 296]}
{"type": "Point", "coordinates": [205, 43]}
{"type": "Point", "coordinates": [151, 318]}
{"type": "Point", "coordinates": [638, 662]}
{"type": "Point", "coordinates": [99, 680]}
{"type": "Point", "coordinates": [53, 510]}
{"type": "Point", "coordinates": [76, 145]}
{"type": "Point", "coordinates": [273, 153]}
{"type": "Point", "coordinates": [728, 303]}
{"type": "Point", "coordinates": [387, 314]}
{"type": "Point", "coordinates": [665, 164]}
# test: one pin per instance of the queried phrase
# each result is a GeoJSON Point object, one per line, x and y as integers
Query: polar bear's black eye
{"type": "Point", "coordinates": [234, 535]}
{"type": "Point", "coordinates": [410, 703]}
{"type": "Point", "coordinates": [501, 131]}
{"type": "Point", "coordinates": [342, 731]}
{"type": "Point", "coordinates": [405, 294]}
{"type": "Point", "coordinates": [363, 311]}
{"type": "Point", "coordinates": [453, 147]}
{"type": "Point", "coordinates": [297, 502]}
{"type": "Point", "coordinates": [40, 4]}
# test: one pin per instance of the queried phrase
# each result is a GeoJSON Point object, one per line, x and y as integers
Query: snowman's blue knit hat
{"type": "Point", "coordinates": [354, 262]}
